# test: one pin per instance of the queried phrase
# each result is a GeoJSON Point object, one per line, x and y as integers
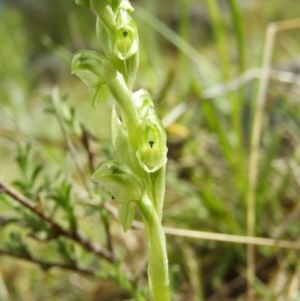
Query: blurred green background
{"type": "Point", "coordinates": [186, 47]}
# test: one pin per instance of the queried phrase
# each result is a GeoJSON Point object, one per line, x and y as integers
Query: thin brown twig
{"type": "Point", "coordinates": [71, 147]}
{"type": "Point", "coordinates": [76, 237]}
{"type": "Point", "coordinates": [86, 136]}
{"type": "Point", "coordinates": [69, 143]}
{"type": "Point", "coordinates": [46, 265]}
{"type": "Point", "coordinates": [109, 240]}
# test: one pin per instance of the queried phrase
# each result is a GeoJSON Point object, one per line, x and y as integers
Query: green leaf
{"type": "Point", "coordinates": [92, 67]}
{"type": "Point", "coordinates": [99, 94]}
{"type": "Point", "coordinates": [126, 215]}
{"type": "Point", "coordinates": [120, 181]}
{"type": "Point", "coordinates": [67, 250]}
{"type": "Point", "coordinates": [17, 245]}
{"type": "Point", "coordinates": [35, 174]}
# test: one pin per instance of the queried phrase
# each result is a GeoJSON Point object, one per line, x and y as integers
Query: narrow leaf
{"type": "Point", "coordinates": [99, 94]}
{"type": "Point", "coordinates": [126, 215]}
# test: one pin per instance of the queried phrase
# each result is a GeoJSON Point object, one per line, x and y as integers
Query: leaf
{"type": "Point", "coordinates": [126, 215]}
{"type": "Point", "coordinates": [17, 245]}
{"type": "Point", "coordinates": [119, 180]}
{"type": "Point", "coordinates": [99, 94]}
{"type": "Point", "coordinates": [66, 249]}
{"type": "Point", "coordinates": [35, 174]}
{"type": "Point", "coordinates": [92, 67]}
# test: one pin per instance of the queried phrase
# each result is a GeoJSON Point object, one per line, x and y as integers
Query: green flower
{"type": "Point", "coordinates": [152, 150]}
{"type": "Point", "coordinates": [126, 36]}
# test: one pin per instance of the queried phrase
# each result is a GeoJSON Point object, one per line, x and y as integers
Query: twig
{"type": "Point", "coordinates": [69, 143]}
{"type": "Point", "coordinates": [85, 243]}
{"type": "Point", "coordinates": [86, 143]}
{"type": "Point", "coordinates": [109, 240]}
{"type": "Point", "coordinates": [48, 265]}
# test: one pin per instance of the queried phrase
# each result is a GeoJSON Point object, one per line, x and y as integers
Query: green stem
{"type": "Point", "coordinates": [123, 96]}
{"type": "Point", "coordinates": [158, 261]}
{"type": "Point", "coordinates": [106, 15]}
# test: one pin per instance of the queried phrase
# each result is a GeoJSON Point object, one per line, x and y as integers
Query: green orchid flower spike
{"type": "Point", "coordinates": [137, 173]}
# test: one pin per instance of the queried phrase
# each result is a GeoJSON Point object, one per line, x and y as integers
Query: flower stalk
{"type": "Point", "coordinates": [137, 173]}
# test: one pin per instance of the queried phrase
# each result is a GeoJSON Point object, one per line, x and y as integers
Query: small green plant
{"type": "Point", "coordinates": [137, 173]}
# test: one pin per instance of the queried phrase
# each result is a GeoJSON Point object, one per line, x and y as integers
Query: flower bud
{"type": "Point", "coordinates": [120, 181]}
{"type": "Point", "coordinates": [126, 36]}
{"type": "Point", "coordinates": [143, 103]}
{"type": "Point", "coordinates": [125, 4]}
